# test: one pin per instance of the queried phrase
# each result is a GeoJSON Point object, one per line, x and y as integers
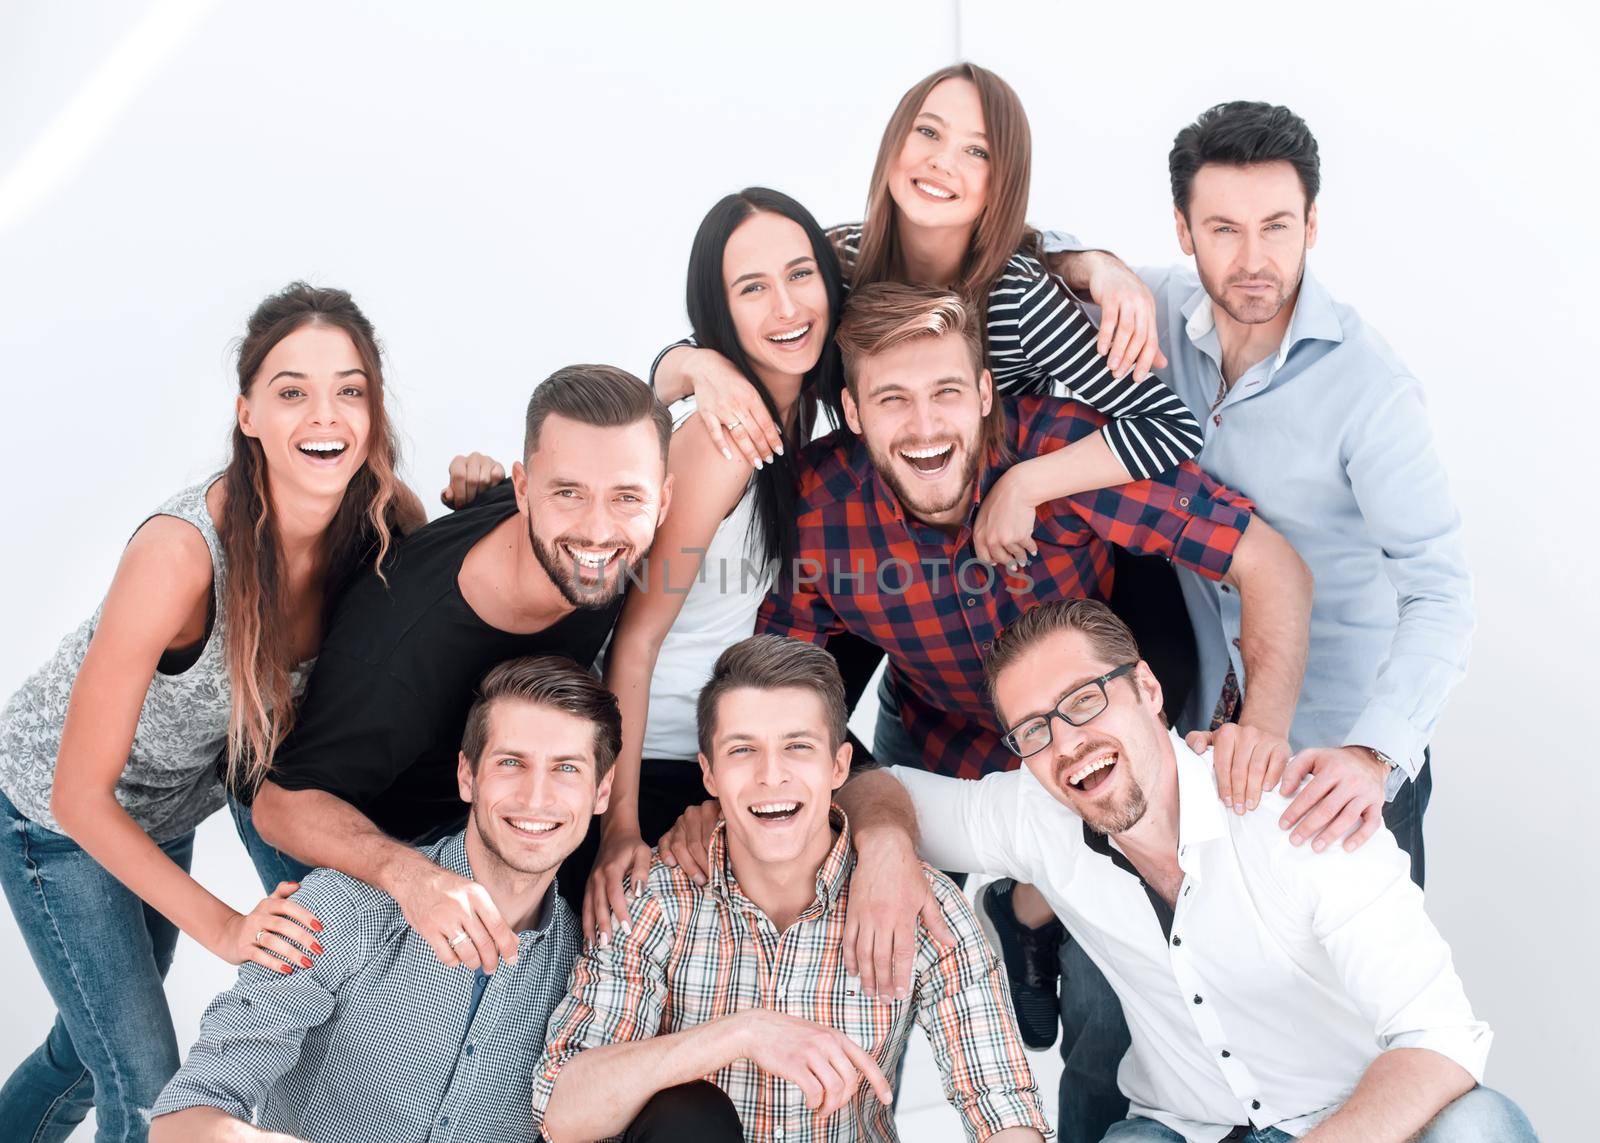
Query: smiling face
{"type": "Point", "coordinates": [941, 178]}
{"type": "Point", "coordinates": [774, 770]}
{"type": "Point", "coordinates": [308, 409]}
{"type": "Point", "coordinates": [919, 407]}
{"type": "Point", "coordinates": [1105, 770]}
{"type": "Point", "coordinates": [776, 295]}
{"type": "Point", "coordinates": [534, 787]}
{"type": "Point", "coordinates": [1249, 229]}
{"type": "Point", "coordinates": [592, 497]}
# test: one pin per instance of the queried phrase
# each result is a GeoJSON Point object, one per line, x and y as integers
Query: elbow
{"type": "Point", "coordinates": [270, 815]}
{"type": "Point", "coordinates": [72, 806]}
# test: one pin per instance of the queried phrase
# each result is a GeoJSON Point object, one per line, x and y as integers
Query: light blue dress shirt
{"type": "Point", "coordinates": [1329, 436]}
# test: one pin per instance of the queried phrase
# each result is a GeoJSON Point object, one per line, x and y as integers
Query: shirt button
{"type": "Point", "coordinates": [444, 1121]}
{"type": "Point", "coordinates": [1217, 420]}
{"type": "Point", "coordinates": [1225, 589]}
{"type": "Point", "coordinates": [1176, 941]}
{"type": "Point", "coordinates": [1255, 1105]}
{"type": "Point", "coordinates": [970, 602]}
{"type": "Point", "coordinates": [1197, 999]}
{"type": "Point", "coordinates": [1226, 1054]}
{"type": "Point", "coordinates": [1183, 502]}
{"type": "Point", "coordinates": [469, 1049]}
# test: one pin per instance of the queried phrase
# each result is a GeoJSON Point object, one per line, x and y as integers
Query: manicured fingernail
{"type": "Point", "coordinates": [605, 940]}
{"type": "Point", "coordinates": [316, 925]}
{"type": "Point", "coordinates": [511, 960]}
{"type": "Point", "coordinates": [699, 879]}
{"type": "Point", "coordinates": [1297, 838]}
{"type": "Point", "coordinates": [285, 969]}
{"type": "Point", "coordinates": [780, 450]}
{"type": "Point", "coordinates": [305, 962]}
{"type": "Point", "coordinates": [1319, 845]}
{"type": "Point", "coordinates": [727, 454]}
{"type": "Point", "coordinates": [316, 949]}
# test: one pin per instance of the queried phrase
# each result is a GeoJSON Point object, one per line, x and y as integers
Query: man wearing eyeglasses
{"type": "Point", "coordinates": [1272, 993]}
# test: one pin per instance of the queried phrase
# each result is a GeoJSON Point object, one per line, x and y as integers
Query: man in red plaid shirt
{"type": "Point", "coordinates": [887, 516]}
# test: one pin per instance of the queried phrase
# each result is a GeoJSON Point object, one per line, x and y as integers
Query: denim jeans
{"type": "Point", "coordinates": [272, 865]}
{"type": "Point", "coordinates": [103, 954]}
{"type": "Point", "coordinates": [1483, 1115]}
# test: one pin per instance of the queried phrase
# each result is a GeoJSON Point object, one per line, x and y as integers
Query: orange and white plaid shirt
{"type": "Point", "coordinates": [693, 953]}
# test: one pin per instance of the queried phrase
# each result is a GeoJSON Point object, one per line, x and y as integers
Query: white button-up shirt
{"type": "Point", "coordinates": [1286, 972]}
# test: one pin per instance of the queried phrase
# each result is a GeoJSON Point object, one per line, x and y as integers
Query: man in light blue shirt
{"type": "Point", "coordinates": [1307, 411]}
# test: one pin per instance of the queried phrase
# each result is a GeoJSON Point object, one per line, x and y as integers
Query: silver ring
{"type": "Point", "coordinates": [457, 939]}
{"type": "Point", "coordinates": [736, 423]}
{"type": "Point", "coordinates": [259, 934]}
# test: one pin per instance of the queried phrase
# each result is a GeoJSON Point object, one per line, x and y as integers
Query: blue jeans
{"type": "Point", "coordinates": [1483, 1115]}
{"type": "Point", "coordinates": [103, 954]}
{"type": "Point", "coordinates": [272, 865]}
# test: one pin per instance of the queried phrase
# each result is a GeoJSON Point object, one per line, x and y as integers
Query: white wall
{"type": "Point", "coordinates": [507, 188]}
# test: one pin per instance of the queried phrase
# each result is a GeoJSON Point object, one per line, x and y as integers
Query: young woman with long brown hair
{"type": "Point", "coordinates": [108, 752]}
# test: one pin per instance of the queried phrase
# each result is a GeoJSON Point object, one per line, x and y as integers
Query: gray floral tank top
{"type": "Point", "coordinates": [170, 783]}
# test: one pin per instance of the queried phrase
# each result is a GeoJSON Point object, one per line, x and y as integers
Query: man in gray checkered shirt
{"type": "Point", "coordinates": [379, 1040]}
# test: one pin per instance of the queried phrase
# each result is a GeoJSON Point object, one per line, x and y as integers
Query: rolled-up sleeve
{"type": "Point", "coordinates": [963, 1007]}
{"type": "Point", "coordinates": [251, 1035]}
{"type": "Point", "coordinates": [966, 826]}
{"type": "Point", "coordinates": [1394, 965]}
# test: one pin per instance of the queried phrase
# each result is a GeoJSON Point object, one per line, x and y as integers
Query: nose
{"type": "Point", "coordinates": [322, 408]}
{"type": "Point", "coordinates": [1065, 738]}
{"type": "Point", "coordinates": [597, 524]}
{"type": "Point", "coordinates": [925, 422]}
{"type": "Point", "coordinates": [783, 303]}
{"type": "Point", "coordinates": [771, 771]}
{"type": "Point", "coordinates": [1253, 252]}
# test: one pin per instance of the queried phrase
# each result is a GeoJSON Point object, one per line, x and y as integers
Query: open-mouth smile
{"type": "Point", "coordinates": [774, 812]}
{"type": "Point", "coordinates": [929, 461]}
{"type": "Point", "coordinates": [323, 452]}
{"type": "Point", "coordinates": [934, 190]}
{"type": "Point", "coordinates": [532, 826]}
{"type": "Point", "coordinates": [592, 563]}
{"type": "Point", "coordinates": [792, 338]}
{"type": "Point", "coordinates": [1093, 772]}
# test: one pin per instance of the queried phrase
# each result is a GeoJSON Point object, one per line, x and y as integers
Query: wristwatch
{"type": "Point", "coordinates": [1397, 775]}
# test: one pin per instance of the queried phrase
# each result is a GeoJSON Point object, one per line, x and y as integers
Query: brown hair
{"type": "Point", "coordinates": [599, 395]}
{"type": "Point", "coordinates": [879, 317]}
{"type": "Point", "coordinates": [546, 680]}
{"type": "Point", "coordinates": [376, 505]}
{"type": "Point", "coordinates": [1109, 637]}
{"type": "Point", "coordinates": [1001, 229]}
{"type": "Point", "coordinates": [768, 662]}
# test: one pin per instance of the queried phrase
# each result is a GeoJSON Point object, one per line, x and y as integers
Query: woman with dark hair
{"type": "Point", "coordinates": [764, 294]}
{"type": "Point", "coordinates": [108, 753]}
{"type": "Point", "coordinates": [946, 207]}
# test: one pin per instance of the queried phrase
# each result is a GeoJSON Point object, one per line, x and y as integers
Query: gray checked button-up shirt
{"type": "Point", "coordinates": [380, 1040]}
{"type": "Point", "coordinates": [1330, 437]}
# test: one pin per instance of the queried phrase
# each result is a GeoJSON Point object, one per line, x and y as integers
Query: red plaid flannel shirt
{"type": "Point", "coordinates": [922, 595]}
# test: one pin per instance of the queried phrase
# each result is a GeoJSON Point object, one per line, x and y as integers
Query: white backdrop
{"type": "Point", "coordinates": [507, 188]}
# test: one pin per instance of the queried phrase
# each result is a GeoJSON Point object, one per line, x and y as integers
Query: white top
{"type": "Point", "coordinates": [719, 611]}
{"type": "Point", "coordinates": [1287, 971]}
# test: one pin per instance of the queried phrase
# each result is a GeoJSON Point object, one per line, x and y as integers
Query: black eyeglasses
{"type": "Point", "coordinates": [1032, 735]}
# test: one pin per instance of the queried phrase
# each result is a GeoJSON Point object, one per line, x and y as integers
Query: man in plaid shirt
{"type": "Point", "coordinates": [742, 979]}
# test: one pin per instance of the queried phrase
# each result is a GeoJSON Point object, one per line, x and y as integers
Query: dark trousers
{"type": "Point", "coordinates": [696, 1112]}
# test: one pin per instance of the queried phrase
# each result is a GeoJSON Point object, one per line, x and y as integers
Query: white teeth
{"type": "Point", "coordinates": [594, 559]}
{"type": "Point", "coordinates": [926, 453]}
{"type": "Point", "coordinates": [1083, 773]}
{"type": "Point", "coordinates": [929, 188]}
{"type": "Point", "coordinates": [532, 827]}
{"type": "Point", "coordinates": [775, 808]}
{"type": "Point", "coordinates": [796, 335]}
{"type": "Point", "coordinates": [322, 446]}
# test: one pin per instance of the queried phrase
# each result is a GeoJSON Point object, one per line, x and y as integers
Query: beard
{"type": "Point", "coordinates": [1129, 807]}
{"type": "Point", "coordinates": [498, 855]}
{"type": "Point", "coordinates": [564, 574]}
{"type": "Point", "coordinates": [1254, 311]}
{"type": "Point", "coordinates": [907, 492]}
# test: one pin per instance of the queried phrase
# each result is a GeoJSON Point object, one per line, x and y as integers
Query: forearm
{"type": "Point", "coordinates": [879, 809]}
{"type": "Point", "coordinates": [204, 1125]}
{"type": "Point", "coordinates": [321, 829]}
{"type": "Point", "coordinates": [1401, 1091]}
{"type": "Point", "coordinates": [1082, 466]}
{"type": "Point", "coordinates": [1016, 1135]}
{"type": "Point", "coordinates": [670, 378]}
{"type": "Point", "coordinates": [98, 823]}
{"type": "Point", "coordinates": [601, 1091]}
{"type": "Point", "coordinates": [1275, 589]}
{"type": "Point", "coordinates": [1076, 267]}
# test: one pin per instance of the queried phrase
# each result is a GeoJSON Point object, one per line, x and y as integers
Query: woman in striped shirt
{"type": "Point", "coordinates": [946, 207]}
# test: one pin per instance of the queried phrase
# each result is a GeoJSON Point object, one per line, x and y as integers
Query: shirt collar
{"type": "Point", "coordinates": [451, 854]}
{"type": "Point", "coordinates": [832, 877]}
{"type": "Point", "coordinates": [1314, 318]}
{"type": "Point", "coordinates": [1200, 813]}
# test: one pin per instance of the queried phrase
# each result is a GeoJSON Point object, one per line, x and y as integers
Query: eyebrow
{"type": "Point", "coordinates": [889, 386]}
{"type": "Point", "coordinates": [1077, 686]}
{"type": "Point", "coordinates": [940, 119]}
{"type": "Point", "coordinates": [530, 755]}
{"type": "Point", "coordinates": [1233, 222]}
{"type": "Point", "coordinates": [292, 375]}
{"type": "Point", "coordinates": [790, 265]}
{"type": "Point", "coordinates": [738, 736]}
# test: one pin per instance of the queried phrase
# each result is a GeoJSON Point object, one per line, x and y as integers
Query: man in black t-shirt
{"type": "Point", "coordinates": [536, 566]}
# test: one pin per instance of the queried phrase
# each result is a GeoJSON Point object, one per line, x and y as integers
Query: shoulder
{"type": "Point", "coordinates": [695, 457]}
{"type": "Point", "coordinates": [1053, 418]}
{"type": "Point", "coordinates": [171, 551]}
{"type": "Point", "coordinates": [348, 907]}
{"type": "Point", "coordinates": [830, 469]}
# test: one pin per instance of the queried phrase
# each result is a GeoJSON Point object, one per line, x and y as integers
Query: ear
{"type": "Point", "coordinates": [841, 764]}
{"type": "Point", "coordinates": [706, 777]}
{"type": "Point", "coordinates": [1148, 685]}
{"type": "Point", "coordinates": [464, 782]}
{"type": "Point", "coordinates": [519, 485]}
{"type": "Point", "coordinates": [1185, 239]}
{"type": "Point", "coordinates": [666, 499]}
{"type": "Point", "coordinates": [985, 392]}
{"type": "Point", "coordinates": [602, 792]}
{"type": "Point", "coordinates": [241, 410]}
{"type": "Point", "coordinates": [852, 415]}
{"type": "Point", "coordinates": [1311, 226]}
